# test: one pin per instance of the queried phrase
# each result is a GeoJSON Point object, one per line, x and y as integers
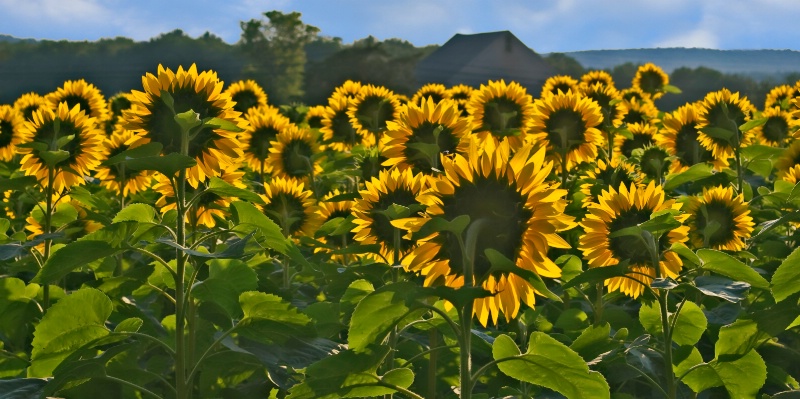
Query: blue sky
{"type": "Point", "coordinates": [544, 25]}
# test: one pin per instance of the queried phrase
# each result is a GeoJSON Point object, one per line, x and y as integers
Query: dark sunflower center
{"type": "Point", "coordinates": [120, 104]}
{"type": "Point", "coordinates": [562, 87]}
{"type": "Point", "coordinates": [627, 247]}
{"type": "Point", "coordinates": [382, 227]}
{"type": "Point", "coordinates": [651, 81]}
{"type": "Point", "coordinates": [610, 177]}
{"type": "Point", "coordinates": [343, 131]}
{"type": "Point", "coordinates": [73, 100]}
{"type": "Point", "coordinates": [260, 141]}
{"type": "Point", "coordinates": [6, 133]}
{"type": "Point", "coordinates": [634, 116]}
{"type": "Point", "coordinates": [775, 130]}
{"type": "Point", "coordinates": [371, 166]}
{"type": "Point", "coordinates": [425, 144]}
{"type": "Point", "coordinates": [502, 116]}
{"type": "Point", "coordinates": [715, 223]}
{"type": "Point", "coordinates": [162, 128]}
{"type": "Point", "coordinates": [315, 122]}
{"type": "Point", "coordinates": [638, 141]}
{"type": "Point", "coordinates": [460, 96]}
{"type": "Point", "coordinates": [245, 100]}
{"type": "Point", "coordinates": [373, 112]}
{"type": "Point", "coordinates": [565, 129]}
{"type": "Point", "coordinates": [654, 163]}
{"type": "Point", "coordinates": [435, 96]}
{"type": "Point", "coordinates": [286, 211]}
{"type": "Point", "coordinates": [504, 219]}
{"type": "Point", "coordinates": [297, 158]}
{"type": "Point", "coordinates": [717, 117]}
{"type": "Point", "coordinates": [688, 148]}
{"type": "Point", "coordinates": [27, 112]}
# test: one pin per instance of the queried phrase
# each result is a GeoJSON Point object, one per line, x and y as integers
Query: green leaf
{"type": "Point", "coordinates": [354, 293]}
{"type": "Point", "coordinates": [726, 265]}
{"type": "Point", "coordinates": [721, 287]}
{"type": "Point", "coordinates": [268, 318]}
{"type": "Point", "coordinates": [690, 326]}
{"type": "Point", "coordinates": [168, 165]}
{"type": "Point", "coordinates": [17, 183]}
{"type": "Point", "coordinates": [439, 224]}
{"type": "Point", "coordinates": [742, 378]}
{"type": "Point", "coordinates": [71, 257]}
{"type": "Point", "coordinates": [142, 213]}
{"type": "Point", "coordinates": [572, 319]}
{"type": "Point", "coordinates": [571, 266]}
{"type": "Point", "coordinates": [152, 149]}
{"type": "Point", "coordinates": [671, 89]}
{"type": "Point", "coordinates": [752, 123]}
{"type": "Point", "coordinates": [593, 342]}
{"type": "Point", "coordinates": [188, 120]}
{"type": "Point", "coordinates": [224, 189]}
{"type": "Point", "coordinates": [129, 325]}
{"type": "Point", "coordinates": [379, 311]}
{"type": "Point", "coordinates": [550, 364]}
{"type": "Point", "coordinates": [53, 158]}
{"type": "Point", "coordinates": [22, 388]}
{"type": "Point", "coordinates": [248, 219]}
{"type": "Point", "coordinates": [235, 249]}
{"type": "Point", "coordinates": [694, 173]}
{"type": "Point", "coordinates": [502, 264]}
{"type": "Point", "coordinates": [786, 279]}
{"type": "Point", "coordinates": [720, 133]}
{"type": "Point", "coordinates": [227, 279]}
{"type": "Point", "coordinates": [684, 358]}
{"type": "Point", "coordinates": [650, 318]}
{"type": "Point", "coordinates": [598, 274]}
{"type": "Point", "coordinates": [222, 124]}
{"type": "Point", "coordinates": [73, 321]}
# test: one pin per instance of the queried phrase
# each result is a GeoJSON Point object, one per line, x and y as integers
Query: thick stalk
{"type": "Point", "coordinates": [433, 342]}
{"type": "Point", "coordinates": [48, 226]}
{"type": "Point", "coordinates": [182, 386]}
{"type": "Point", "coordinates": [598, 305]}
{"type": "Point", "coordinates": [662, 296]}
{"type": "Point", "coordinates": [465, 314]}
{"type": "Point", "coordinates": [393, 333]}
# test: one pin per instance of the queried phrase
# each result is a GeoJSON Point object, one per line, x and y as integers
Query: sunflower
{"type": "Point", "coordinates": [373, 225]}
{"type": "Point", "coordinates": [642, 135]}
{"type": "Point", "coordinates": [314, 117]}
{"type": "Point", "coordinates": [592, 78]}
{"type": "Point", "coordinates": [651, 79]}
{"type": "Point", "coordinates": [680, 138]}
{"type": "Point", "coordinates": [609, 100]}
{"type": "Point", "coordinates": [29, 102]}
{"type": "Point", "coordinates": [517, 213]}
{"type": "Point", "coordinates": [349, 88]}
{"type": "Point", "coordinates": [639, 111]}
{"type": "Point", "coordinates": [246, 94]}
{"type": "Point", "coordinates": [437, 91]}
{"type": "Point", "coordinates": [460, 93]}
{"type": "Point", "coordinates": [635, 93]}
{"type": "Point", "coordinates": [788, 163]}
{"type": "Point", "coordinates": [654, 161]}
{"type": "Point", "coordinates": [116, 104]}
{"type": "Point", "coordinates": [559, 83]}
{"type": "Point", "coordinates": [293, 153]}
{"type": "Point", "coordinates": [291, 207]}
{"type": "Point", "coordinates": [210, 207]}
{"type": "Point", "coordinates": [337, 131]}
{"type": "Point", "coordinates": [566, 123]}
{"type": "Point", "coordinates": [48, 134]}
{"type": "Point", "coordinates": [423, 132]}
{"type": "Point", "coordinates": [115, 177]}
{"type": "Point", "coordinates": [718, 220]}
{"type": "Point", "coordinates": [605, 175]}
{"type": "Point", "coordinates": [628, 207]}
{"type": "Point", "coordinates": [328, 210]}
{"type": "Point", "coordinates": [10, 124]}
{"type": "Point", "coordinates": [724, 110]}
{"type": "Point", "coordinates": [72, 230]}
{"type": "Point", "coordinates": [503, 111]}
{"type": "Point", "coordinates": [265, 124]}
{"type": "Point", "coordinates": [170, 93]}
{"type": "Point", "coordinates": [82, 93]}
{"type": "Point", "coordinates": [779, 129]}
{"type": "Point", "coordinates": [371, 109]}
{"type": "Point", "coordinates": [779, 96]}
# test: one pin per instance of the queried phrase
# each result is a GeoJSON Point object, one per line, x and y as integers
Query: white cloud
{"type": "Point", "coordinates": [701, 38]}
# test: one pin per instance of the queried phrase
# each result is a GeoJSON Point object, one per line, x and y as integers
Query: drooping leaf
{"type": "Point", "coordinates": [168, 165]}
{"type": "Point", "coordinates": [142, 213]}
{"type": "Point", "coordinates": [22, 388]}
{"type": "Point", "coordinates": [269, 318]}
{"type": "Point", "coordinates": [227, 279]}
{"type": "Point", "coordinates": [728, 266]}
{"type": "Point", "coordinates": [152, 149]}
{"type": "Point", "coordinates": [786, 279]}
{"type": "Point", "coordinates": [695, 172]}
{"type": "Point", "coordinates": [379, 311]}
{"type": "Point", "coordinates": [71, 257]}
{"type": "Point", "coordinates": [224, 189]}
{"type": "Point", "coordinates": [550, 364]}
{"type": "Point", "coordinates": [502, 264]}
{"type": "Point", "coordinates": [742, 378]}
{"type": "Point", "coordinates": [721, 287]}
{"type": "Point", "coordinates": [17, 183]}
{"type": "Point", "coordinates": [596, 275]}
{"type": "Point", "coordinates": [689, 327]}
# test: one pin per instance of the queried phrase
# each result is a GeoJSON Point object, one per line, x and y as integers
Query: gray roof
{"type": "Point", "coordinates": [476, 59]}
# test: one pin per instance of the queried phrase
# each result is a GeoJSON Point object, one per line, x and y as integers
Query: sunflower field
{"type": "Point", "coordinates": [192, 240]}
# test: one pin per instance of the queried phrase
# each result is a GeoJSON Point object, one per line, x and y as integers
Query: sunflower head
{"type": "Point", "coordinates": [460, 93]}
{"type": "Point", "coordinates": [116, 104]}
{"type": "Point", "coordinates": [83, 94]}
{"type": "Point", "coordinates": [265, 125]}
{"type": "Point", "coordinates": [293, 154]}
{"type": "Point", "coordinates": [513, 212]}
{"type": "Point", "coordinates": [719, 220]}
{"type": "Point", "coordinates": [328, 210]}
{"type": "Point", "coordinates": [168, 94]}
{"type": "Point", "coordinates": [437, 91]}
{"type": "Point", "coordinates": [654, 161]}
{"type": "Point", "coordinates": [501, 110]}
{"type": "Point", "coordinates": [371, 109]}
{"type": "Point", "coordinates": [423, 133]}
{"type": "Point", "coordinates": [629, 207]}
{"type": "Point", "coordinates": [680, 138]}
{"type": "Point", "coordinates": [605, 175]}
{"type": "Point", "coordinates": [566, 124]}
{"type": "Point", "coordinates": [291, 207]}
{"type": "Point", "coordinates": [338, 133]}
{"type": "Point", "coordinates": [635, 93]}
{"type": "Point", "coordinates": [63, 140]}
{"type": "Point", "coordinates": [559, 83]}
{"type": "Point", "coordinates": [314, 117]}
{"type": "Point", "coordinates": [780, 96]}
{"type": "Point", "coordinates": [639, 111]}
{"type": "Point", "coordinates": [778, 131]}
{"type": "Point", "coordinates": [246, 94]}
{"type": "Point", "coordinates": [115, 177]}
{"type": "Point", "coordinates": [651, 79]}
{"type": "Point", "coordinates": [788, 161]}
{"type": "Point", "coordinates": [641, 135]}
{"type": "Point", "coordinates": [724, 111]}
{"type": "Point", "coordinates": [609, 100]}
{"type": "Point", "coordinates": [349, 88]}
{"type": "Point", "coordinates": [10, 124]}
{"type": "Point", "coordinates": [592, 78]}
{"type": "Point", "coordinates": [27, 103]}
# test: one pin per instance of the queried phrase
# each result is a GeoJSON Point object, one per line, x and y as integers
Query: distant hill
{"type": "Point", "coordinates": [759, 64]}
{"type": "Point", "coordinates": [12, 39]}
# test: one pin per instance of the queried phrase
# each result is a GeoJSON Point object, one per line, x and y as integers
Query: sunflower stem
{"type": "Point", "coordinates": [662, 295]}
{"type": "Point", "coordinates": [182, 385]}
{"type": "Point", "coordinates": [48, 221]}
{"type": "Point", "coordinates": [393, 334]}
{"type": "Point", "coordinates": [598, 304]}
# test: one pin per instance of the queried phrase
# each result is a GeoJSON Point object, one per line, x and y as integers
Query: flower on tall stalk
{"type": "Point", "coordinates": [501, 111]}
{"type": "Point", "coordinates": [81, 93]}
{"type": "Point", "coordinates": [654, 162]}
{"type": "Point", "coordinates": [209, 208]}
{"type": "Point", "coordinates": [591, 78]}
{"type": "Point", "coordinates": [10, 125]}
{"type": "Point", "coordinates": [724, 110]}
{"type": "Point", "coordinates": [680, 138]}
{"type": "Point", "coordinates": [291, 207]}
{"type": "Point", "coordinates": [64, 140]}
{"type": "Point", "coordinates": [437, 91]}
{"type": "Point", "coordinates": [719, 220]}
{"type": "Point", "coordinates": [293, 154]}
{"type": "Point", "coordinates": [71, 229]}
{"type": "Point", "coordinates": [349, 88]}
{"type": "Point", "coordinates": [169, 93]}
{"type": "Point", "coordinates": [246, 94]}
{"type": "Point", "coordinates": [635, 93]}
{"type": "Point", "coordinates": [604, 175]}
{"type": "Point", "coordinates": [423, 132]}
{"type": "Point", "coordinates": [651, 79]}
{"type": "Point", "coordinates": [27, 103]}
{"type": "Point", "coordinates": [628, 207]}
{"type": "Point", "coordinates": [314, 116]}
{"type": "Point", "coordinates": [639, 111]}
{"type": "Point", "coordinates": [779, 96]}
{"type": "Point", "coordinates": [559, 83]}
{"type": "Point", "coordinates": [338, 133]}
{"type": "Point", "coordinates": [516, 212]}
{"type": "Point", "coordinates": [116, 105]}
{"type": "Point", "coordinates": [371, 109]}
{"type": "Point", "coordinates": [779, 130]}
{"type": "Point", "coordinates": [373, 218]}
{"type": "Point", "coordinates": [566, 124]}
{"type": "Point", "coordinates": [265, 125]}
{"type": "Point", "coordinates": [787, 166]}
{"type": "Point", "coordinates": [116, 178]}
{"type": "Point", "coordinates": [328, 210]}
{"type": "Point", "coordinates": [641, 135]}
{"type": "Point", "coordinates": [609, 100]}
{"type": "Point", "coordinates": [460, 93]}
